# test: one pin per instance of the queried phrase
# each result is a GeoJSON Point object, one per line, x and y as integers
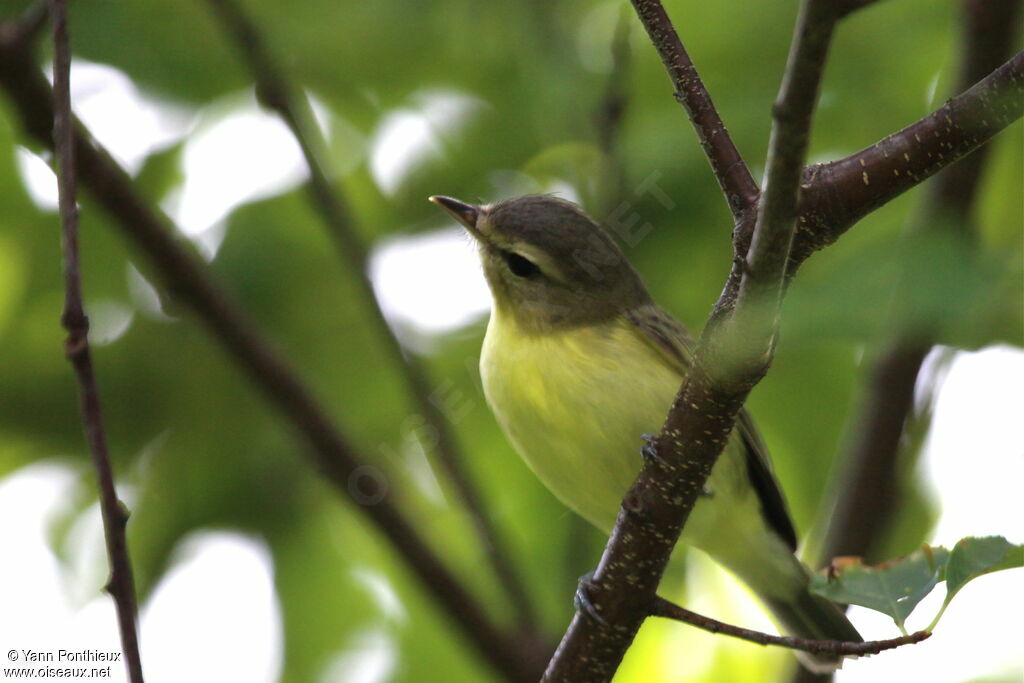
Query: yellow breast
{"type": "Point", "coordinates": [574, 404]}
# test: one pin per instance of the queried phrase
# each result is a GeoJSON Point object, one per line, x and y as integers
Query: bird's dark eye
{"type": "Point", "coordinates": [520, 266]}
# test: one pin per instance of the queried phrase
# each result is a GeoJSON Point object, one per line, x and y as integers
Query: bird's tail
{"type": "Point", "coordinates": [808, 616]}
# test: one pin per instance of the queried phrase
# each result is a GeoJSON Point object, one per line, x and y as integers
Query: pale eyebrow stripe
{"type": "Point", "coordinates": [540, 259]}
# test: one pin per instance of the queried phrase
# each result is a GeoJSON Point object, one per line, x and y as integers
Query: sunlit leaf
{"type": "Point", "coordinates": [974, 557]}
{"type": "Point", "coordinates": [894, 588]}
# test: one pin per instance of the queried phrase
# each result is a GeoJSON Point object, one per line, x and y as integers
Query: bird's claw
{"type": "Point", "coordinates": [582, 602]}
{"type": "Point", "coordinates": [649, 450]}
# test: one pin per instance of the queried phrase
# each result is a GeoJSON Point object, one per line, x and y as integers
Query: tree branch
{"type": "Point", "coordinates": [277, 93]}
{"type": "Point", "coordinates": [834, 195]}
{"type": "Point", "coordinates": [847, 7]}
{"type": "Point", "coordinates": [730, 170]}
{"type": "Point", "coordinates": [842, 192]}
{"type": "Point", "coordinates": [188, 279]}
{"type": "Point", "coordinates": [669, 610]}
{"type": "Point", "coordinates": [656, 508]}
{"type": "Point", "coordinates": [121, 584]}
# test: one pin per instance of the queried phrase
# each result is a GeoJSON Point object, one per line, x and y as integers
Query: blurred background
{"type": "Point", "coordinates": [249, 567]}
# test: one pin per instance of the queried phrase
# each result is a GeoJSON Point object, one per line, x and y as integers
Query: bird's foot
{"type": "Point", "coordinates": [649, 451]}
{"type": "Point", "coordinates": [582, 602]}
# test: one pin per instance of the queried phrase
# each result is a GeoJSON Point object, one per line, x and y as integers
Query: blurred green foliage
{"type": "Point", "coordinates": [201, 449]}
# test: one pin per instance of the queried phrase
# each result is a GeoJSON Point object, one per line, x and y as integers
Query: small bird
{"type": "Point", "coordinates": [578, 362]}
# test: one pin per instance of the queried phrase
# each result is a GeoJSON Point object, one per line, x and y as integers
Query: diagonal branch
{"type": "Point", "coordinates": [121, 585]}
{"type": "Point", "coordinates": [837, 194]}
{"type": "Point", "coordinates": [656, 508]}
{"type": "Point", "coordinates": [278, 94]}
{"type": "Point", "coordinates": [730, 170]}
{"type": "Point", "coordinates": [842, 192]}
{"type": "Point", "coordinates": [188, 279]}
{"type": "Point", "coordinates": [669, 610]}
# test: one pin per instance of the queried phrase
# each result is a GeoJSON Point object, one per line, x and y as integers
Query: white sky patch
{"type": "Point", "coordinates": [429, 283]}
{"type": "Point", "coordinates": [563, 189]}
{"type": "Point", "coordinates": [976, 433]}
{"type": "Point", "coordinates": [974, 461]}
{"type": "Point", "coordinates": [238, 154]}
{"type": "Point", "coordinates": [128, 123]}
{"type": "Point", "coordinates": [383, 594]}
{"type": "Point", "coordinates": [35, 603]}
{"type": "Point", "coordinates": [108, 321]}
{"type": "Point", "coordinates": [410, 136]}
{"type": "Point", "coordinates": [371, 658]}
{"type": "Point", "coordinates": [214, 617]}
{"type": "Point", "coordinates": [38, 178]}
{"type": "Point", "coordinates": [145, 296]}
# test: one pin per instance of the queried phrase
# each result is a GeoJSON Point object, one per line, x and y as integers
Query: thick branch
{"type": "Point", "coordinates": [121, 585]}
{"type": "Point", "coordinates": [668, 610]}
{"type": "Point", "coordinates": [277, 93]}
{"type": "Point", "coordinates": [189, 280]}
{"type": "Point", "coordinates": [846, 7]}
{"type": "Point", "coordinates": [730, 170]}
{"type": "Point", "coordinates": [657, 506]}
{"type": "Point", "coordinates": [839, 193]}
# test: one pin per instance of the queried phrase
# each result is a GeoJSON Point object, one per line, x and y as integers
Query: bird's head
{"type": "Point", "coordinates": [548, 264]}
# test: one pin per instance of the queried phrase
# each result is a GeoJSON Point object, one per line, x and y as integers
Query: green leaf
{"type": "Point", "coordinates": [894, 588]}
{"type": "Point", "coordinates": [975, 556]}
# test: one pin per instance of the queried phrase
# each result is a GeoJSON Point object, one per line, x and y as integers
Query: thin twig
{"type": "Point", "coordinates": [730, 170]}
{"type": "Point", "coordinates": [121, 584]}
{"type": "Point", "coordinates": [787, 149]}
{"type": "Point", "coordinates": [276, 92]}
{"type": "Point", "coordinates": [762, 281]}
{"type": "Point", "coordinates": [669, 610]}
{"type": "Point", "coordinates": [188, 279]}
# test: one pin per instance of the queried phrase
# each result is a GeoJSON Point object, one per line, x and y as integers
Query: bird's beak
{"type": "Point", "coordinates": [467, 214]}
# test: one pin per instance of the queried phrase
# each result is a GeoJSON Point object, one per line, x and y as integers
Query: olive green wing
{"type": "Point", "coordinates": [669, 337]}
